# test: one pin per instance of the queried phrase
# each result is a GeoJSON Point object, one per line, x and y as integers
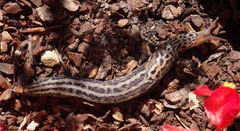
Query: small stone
{"type": "Point", "coordinates": [50, 58]}
{"type": "Point", "coordinates": [122, 22]}
{"type": "Point", "coordinates": [197, 20]}
{"type": "Point", "coordinates": [45, 13]}
{"type": "Point", "coordinates": [12, 8]}
{"type": "Point", "coordinates": [71, 5]}
{"type": "Point", "coordinates": [170, 11]}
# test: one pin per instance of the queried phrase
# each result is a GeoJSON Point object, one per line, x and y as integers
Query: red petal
{"type": "Point", "coordinates": [203, 90]}
{"type": "Point", "coordinates": [222, 106]}
{"type": "Point", "coordinates": [2, 127]}
{"type": "Point", "coordinates": [167, 127]}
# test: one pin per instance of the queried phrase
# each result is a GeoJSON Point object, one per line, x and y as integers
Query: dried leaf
{"type": "Point", "coordinates": [117, 115]}
{"type": "Point", "coordinates": [4, 83]}
{"type": "Point", "coordinates": [193, 97]}
{"type": "Point", "coordinates": [71, 5]}
{"type": "Point", "coordinates": [6, 95]}
{"type": "Point", "coordinates": [104, 67]}
{"type": "Point", "coordinates": [32, 126]}
{"type": "Point", "coordinates": [158, 108]}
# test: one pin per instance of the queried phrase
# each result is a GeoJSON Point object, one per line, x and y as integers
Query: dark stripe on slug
{"type": "Point", "coordinates": [135, 82]}
{"type": "Point", "coordinates": [153, 71]}
{"type": "Point", "coordinates": [161, 61]}
{"type": "Point", "coordinates": [96, 89]}
{"type": "Point", "coordinates": [127, 96]}
{"type": "Point", "coordinates": [70, 90]}
{"type": "Point", "coordinates": [118, 89]}
{"type": "Point", "coordinates": [108, 90]}
{"type": "Point", "coordinates": [59, 92]}
{"type": "Point", "coordinates": [80, 85]}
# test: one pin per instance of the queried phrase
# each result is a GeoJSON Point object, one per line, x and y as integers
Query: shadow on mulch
{"type": "Point", "coordinates": [229, 13]}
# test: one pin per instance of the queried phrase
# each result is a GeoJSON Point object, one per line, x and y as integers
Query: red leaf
{"type": "Point", "coordinates": [222, 106]}
{"type": "Point", "coordinates": [167, 127]}
{"type": "Point", "coordinates": [203, 90]}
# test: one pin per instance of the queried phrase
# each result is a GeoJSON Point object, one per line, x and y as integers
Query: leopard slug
{"type": "Point", "coordinates": [126, 87]}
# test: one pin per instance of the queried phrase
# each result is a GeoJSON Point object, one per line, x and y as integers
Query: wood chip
{"type": "Point", "coordinates": [6, 95]}
{"type": "Point", "coordinates": [3, 46]}
{"type": "Point", "coordinates": [104, 68]}
{"type": "Point", "coordinates": [6, 36]}
{"type": "Point", "coordinates": [71, 5]}
{"type": "Point", "coordinates": [12, 8]}
{"type": "Point", "coordinates": [210, 70]}
{"type": "Point", "coordinates": [130, 66]}
{"type": "Point", "coordinates": [122, 22]}
{"type": "Point", "coordinates": [17, 105]}
{"type": "Point", "coordinates": [83, 48]}
{"type": "Point", "coordinates": [4, 83]}
{"type": "Point", "coordinates": [37, 2]}
{"type": "Point", "coordinates": [145, 110]}
{"type": "Point", "coordinates": [177, 95]}
{"type": "Point", "coordinates": [234, 55]}
{"type": "Point", "coordinates": [32, 126]}
{"type": "Point", "coordinates": [6, 68]}
{"type": "Point", "coordinates": [44, 13]}
{"type": "Point", "coordinates": [135, 4]}
{"type": "Point", "coordinates": [75, 58]}
{"type": "Point", "coordinates": [158, 108]}
{"type": "Point", "coordinates": [93, 72]}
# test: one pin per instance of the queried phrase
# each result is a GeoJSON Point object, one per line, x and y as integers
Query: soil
{"type": "Point", "coordinates": [100, 40]}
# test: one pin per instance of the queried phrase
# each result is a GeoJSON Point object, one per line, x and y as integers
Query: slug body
{"type": "Point", "coordinates": [126, 87]}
